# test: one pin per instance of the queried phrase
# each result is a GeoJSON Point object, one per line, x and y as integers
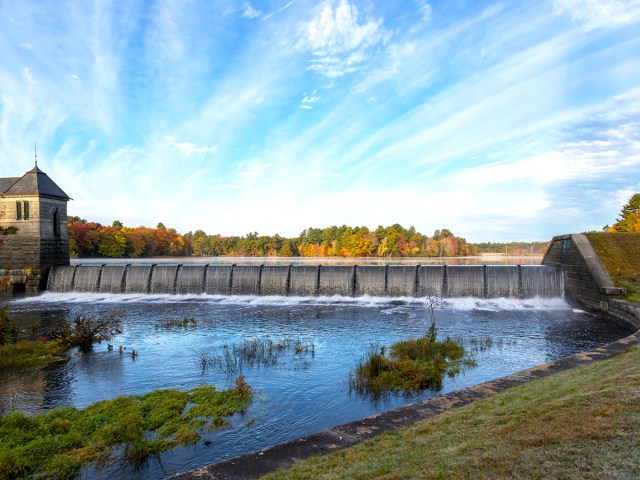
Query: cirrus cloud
{"type": "Point", "coordinates": [339, 38]}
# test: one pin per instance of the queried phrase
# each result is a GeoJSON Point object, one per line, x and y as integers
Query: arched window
{"type": "Point", "coordinates": [56, 223]}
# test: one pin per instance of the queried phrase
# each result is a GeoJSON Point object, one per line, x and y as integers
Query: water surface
{"type": "Point", "coordinates": [303, 393]}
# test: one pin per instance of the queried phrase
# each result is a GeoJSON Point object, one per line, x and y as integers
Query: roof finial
{"type": "Point", "coordinates": [35, 150]}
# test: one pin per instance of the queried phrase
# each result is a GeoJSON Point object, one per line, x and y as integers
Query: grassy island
{"type": "Point", "coordinates": [56, 444]}
{"type": "Point", "coordinates": [410, 365]}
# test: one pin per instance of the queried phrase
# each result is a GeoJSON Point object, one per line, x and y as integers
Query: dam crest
{"type": "Point", "coordinates": [447, 281]}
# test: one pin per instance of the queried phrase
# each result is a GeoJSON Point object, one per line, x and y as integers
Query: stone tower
{"type": "Point", "coordinates": [37, 207]}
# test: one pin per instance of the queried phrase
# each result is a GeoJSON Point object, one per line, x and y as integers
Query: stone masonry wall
{"type": "Point", "coordinates": [54, 249]}
{"type": "Point", "coordinates": [26, 257]}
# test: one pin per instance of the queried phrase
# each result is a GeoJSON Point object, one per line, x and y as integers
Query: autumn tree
{"type": "Point", "coordinates": [629, 220]}
{"type": "Point", "coordinates": [88, 239]}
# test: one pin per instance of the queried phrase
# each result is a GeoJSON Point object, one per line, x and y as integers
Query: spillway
{"type": "Point", "coordinates": [448, 281]}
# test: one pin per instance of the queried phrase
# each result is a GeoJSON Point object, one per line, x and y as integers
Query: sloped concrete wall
{"type": "Point", "coordinates": [586, 280]}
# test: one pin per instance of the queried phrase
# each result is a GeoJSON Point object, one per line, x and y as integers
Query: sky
{"type": "Point", "coordinates": [501, 121]}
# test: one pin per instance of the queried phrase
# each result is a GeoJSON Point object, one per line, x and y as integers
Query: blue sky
{"type": "Point", "coordinates": [498, 120]}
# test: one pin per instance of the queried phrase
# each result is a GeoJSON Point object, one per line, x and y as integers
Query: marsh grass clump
{"type": "Point", "coordinates": [27, 354]}
{"type": "Point", "coordinates": [177, 323]}
{"type": "Point", "coordinates": [252, 353]}
{"type": "Point", "coordinates": [485, 342]}
{"type": "Point", "coordinates": [410, 365]}
{"type": "Point", "coordinates": [17, 354]}
{"type": "Point", "coordinates": [58, 443]}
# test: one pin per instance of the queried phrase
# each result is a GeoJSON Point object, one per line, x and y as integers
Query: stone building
{"type": "Point", "coordinates": [38, 208]}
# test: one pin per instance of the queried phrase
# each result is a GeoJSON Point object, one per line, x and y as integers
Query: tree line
{"type": "Point", "coordinates": [90, 239]}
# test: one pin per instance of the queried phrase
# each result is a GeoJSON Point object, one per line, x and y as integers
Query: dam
{"type": "Point", "coordinates": [447, 281]}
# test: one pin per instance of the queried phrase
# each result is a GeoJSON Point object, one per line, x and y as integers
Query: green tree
{"type": "Point", "coordinates": [286, 251]}
{"type": "Point", "coordinates": [629, 220]}
{"type": "Point", "coordinates": [117, 224]}
{"type": "Point", "coordinates": [112, 243]}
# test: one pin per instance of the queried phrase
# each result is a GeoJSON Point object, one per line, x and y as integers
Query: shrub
{"type": "Point", "coordinates": [84, 330]}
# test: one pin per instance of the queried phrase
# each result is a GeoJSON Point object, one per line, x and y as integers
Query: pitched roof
{"type": "Point", "coordinates": [34, 182]}
{"type": "Point", "coordinates": [5, 183]}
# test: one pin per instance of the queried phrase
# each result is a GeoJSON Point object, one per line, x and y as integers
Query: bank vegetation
{"type": "Point", "coordinates": [579, 424]}
{"type": "Point", "coordinates": [90, 239]}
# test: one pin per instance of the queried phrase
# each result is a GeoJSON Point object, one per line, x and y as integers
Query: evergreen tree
{"type": "Point", "coordinates": [629, 220]}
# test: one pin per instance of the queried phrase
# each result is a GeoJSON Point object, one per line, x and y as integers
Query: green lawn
{"type": "Point", "coordinates": [579, 424]}
{"type": "Point", "coordinates": [620, 255]}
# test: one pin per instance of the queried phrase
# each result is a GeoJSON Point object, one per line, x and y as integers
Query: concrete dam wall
{"type": "Point", "coordinates": [479, 281]}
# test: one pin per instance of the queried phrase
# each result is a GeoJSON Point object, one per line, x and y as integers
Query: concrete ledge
{"type": "Point", "coordinates": [254, 465]}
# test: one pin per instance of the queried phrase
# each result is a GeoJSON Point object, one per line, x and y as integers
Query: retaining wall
{"type": "Point", "coordinates": [586, 280]}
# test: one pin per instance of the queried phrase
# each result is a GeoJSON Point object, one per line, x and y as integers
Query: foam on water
{"type": "Point", "coordinates": [497, 304]}
{"type": "Point", "coordinates": [466, 303]}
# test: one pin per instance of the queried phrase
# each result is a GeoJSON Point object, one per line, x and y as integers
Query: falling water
{"type": "Point", "coordinates": [453, 281]}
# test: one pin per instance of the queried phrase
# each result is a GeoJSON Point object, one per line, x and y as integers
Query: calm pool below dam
{"type": "Point", "coordinates": [296, 393]}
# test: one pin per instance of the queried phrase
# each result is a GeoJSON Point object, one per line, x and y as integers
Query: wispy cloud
{"type": "Point", "coordinates": [188, 147]}
{"type": "Point", "coordinates": [281, 9]}
{"type": "Point", "coordinates": [249, 12]}
{"type": "Point", "coordinates": [308, 101]}
{"type": "Point", "coordinates": [599, 13]}
{"type": "Point", "coordinates": [425, 11]}
{"type": "Point", "coordinates": [339, 39]}
{"type": "Point", "coordinates": [488, 119]}
{"type": "Point", "coordinates": [389, 68]}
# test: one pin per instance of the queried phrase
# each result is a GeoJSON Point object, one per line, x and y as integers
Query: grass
{"type": "Point", "coordinates": [56, 444]}
{"type": "Point", "coordinates": [83, 331]}
{"type": "Point", "coordinates": [252, 353]}
{"type": "Point", "coordinates": [410, 365]}
{"type": "Point", "coordinates": [620, 255]}
{"type": "Point", "coordinates": [27, 354]}
{"type": "Point", "coordinates": [579, 424]}
{"type": "Point", "coordinates": [177, 323]}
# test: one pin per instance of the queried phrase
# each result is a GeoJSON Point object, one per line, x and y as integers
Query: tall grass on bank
{"type": "Point", "coordinates": [56, 444]}
{"type": "Point", "coordinates": [27, 354]}
{"type": "Point", "coordinates": [17, 352]}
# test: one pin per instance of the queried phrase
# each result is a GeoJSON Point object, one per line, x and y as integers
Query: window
{"type": "Point", "coordinates": [22, 210]}
{"type": "Point", "coordinates": [56, 223]}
